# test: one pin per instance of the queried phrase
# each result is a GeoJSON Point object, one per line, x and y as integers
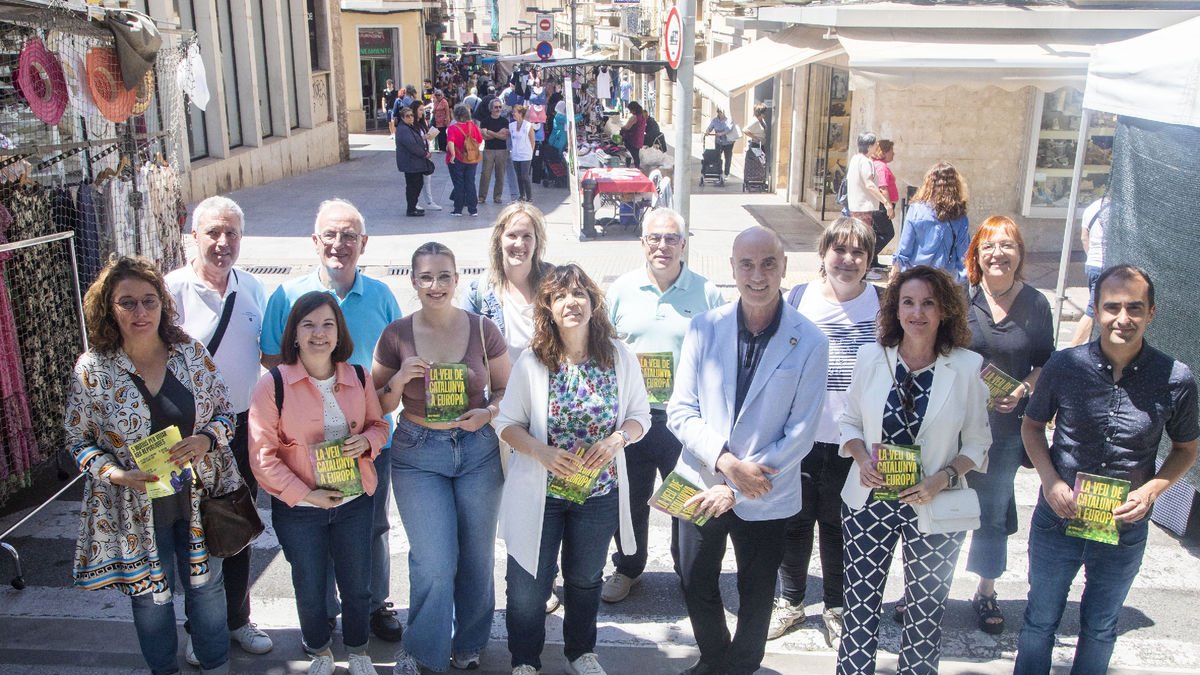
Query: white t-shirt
{"type": "Point", "coordinates": [848, 326]}
{"type": "Point", "coordinates": [520, 149]}
{"type": "Point", "coordinates": [335, 420]}
{"type": "Point", "coordinates": [1095, 227]}
{"type": "Point", "coordinates": [518, 325]}
{"type": "Point", "coordinates": [200, 309]}
{"type": "Point", "coordinates": [859, 173]}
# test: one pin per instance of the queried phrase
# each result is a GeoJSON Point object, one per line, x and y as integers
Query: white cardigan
{"type": "Point", "coordinates": [526, 404]}
{"type": "Point", "coordinates": [955, 422]}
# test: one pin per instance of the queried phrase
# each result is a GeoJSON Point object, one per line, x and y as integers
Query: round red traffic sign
{"type": "Point", "coordinates": [673, 38]}
{"type": "Point", "coordinates": [544, 25]}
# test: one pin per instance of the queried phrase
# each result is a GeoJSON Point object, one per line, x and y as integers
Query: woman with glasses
{"type": "Point", "coordinates": [918, 391]}
{"type": "Point", "coordinates": [935, 226]}
{"type": "Point", "coordinates": [1012, 329]}
{"type": "Point", "coordinates": [576, 400]}
{"type": "Point", "coordinates": [449, 368]}
{"type": "Point", "coordinates": [315, 399]}
{"type": "Point", "coordinates": [141, 375]}
{"type": "Point", "coordinates": [412, 159]}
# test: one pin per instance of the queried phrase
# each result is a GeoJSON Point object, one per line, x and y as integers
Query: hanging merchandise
{"type": "Point", "coordinates": [42, 82]}
{"type": "Point", "coordinates": [191, 77]}
{"type": "Point", "coordinates": [16, 433]}
{"type": "Point", "coordinates": [144, 93]}
{"type": "Point", "coordinates": [137, 41]}
{"type": "Point", "coordinates": [104, 83]}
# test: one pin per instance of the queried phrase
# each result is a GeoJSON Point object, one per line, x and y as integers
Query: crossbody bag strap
{"type": "Point", "coordinates": [487, 364]}
{"type": "Point", "coordinates": [226, 313]}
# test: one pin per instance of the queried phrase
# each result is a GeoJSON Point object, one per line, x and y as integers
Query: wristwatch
{"type": "Point", "coordinates": [953, 474]}
{"type": "Point", "coordinates": [625, 436]}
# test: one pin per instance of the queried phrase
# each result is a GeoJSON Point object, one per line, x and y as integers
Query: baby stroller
{"type": "Point", "coordinates": [754, 177]}
{"type": "Point", "coordinates": [711, 166]}
{"type": "Point", "coordinates": [554, 168]}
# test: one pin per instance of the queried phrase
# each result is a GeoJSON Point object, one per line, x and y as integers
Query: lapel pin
{"type": "Point", "coordinates": [793, 342]}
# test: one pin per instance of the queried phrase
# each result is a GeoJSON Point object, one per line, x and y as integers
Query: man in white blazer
{"type": "Point", "coordinates": [749, 387]}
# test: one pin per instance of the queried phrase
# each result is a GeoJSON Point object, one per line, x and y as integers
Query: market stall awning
{"type": "Point", "coordinates": [734, 72]}
{"type": "Point", "coordinates": [1155, 76]}
{"type": "Point", "coordinates": [1010, 60]}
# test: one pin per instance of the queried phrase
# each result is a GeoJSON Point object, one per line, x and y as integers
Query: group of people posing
{"type": "Point", "coordinates": [476, 409]}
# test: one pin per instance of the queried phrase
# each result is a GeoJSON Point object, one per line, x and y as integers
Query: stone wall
{"type": "Point", "coordinates": [278, 157]}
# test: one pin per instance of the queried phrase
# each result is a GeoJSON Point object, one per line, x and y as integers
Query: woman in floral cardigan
{"type": "Point", "coordinates": [143, 374]}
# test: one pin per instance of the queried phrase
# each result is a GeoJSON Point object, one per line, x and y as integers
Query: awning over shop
{"type": "Point", "coordinates": [734, 72]}
{"type": "Point", "coordinates": [1010, 59]}
{"type": "Point", "coordinates": [1155, 76]}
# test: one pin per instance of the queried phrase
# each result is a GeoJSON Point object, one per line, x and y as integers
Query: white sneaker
{"type": "Point", "coordinates": [251, 639]}
{"type": "Point", "coordinates": [585, 665]}
{"type": "Point", "coordinates": [467, 661]}
{"type": "Point", "coordinates": [432, 207]}
{"type": "Point", "coordinates": [552, 603]}
{"type": "Point", "coordinates": [360, 664]}
{"type": "Point", "coordinates": [783, 617]}
{"type": "Point", "coordinates": [189, 654]}
{"type": "Point", "coordinates": [322, 664]}
{"type": "Point", "coordinates": [617, 587]}
{"type": "Point", "coordinates": [406, 664]}
{"type": "Point", "coordinates": [834, 626]}
{"type": "Point", "coordinates": [524, 670]}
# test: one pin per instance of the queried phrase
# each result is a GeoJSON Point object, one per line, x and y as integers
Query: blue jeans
{"type": "Point", "coordinates": [447, 485]}
{"type": "Point", "coordinates": [381, 551]}
{"type": "Point", "coordinates": [204, 606]}
{"type": "Point", "coordinates": [583, 532]}
{"type": "Point", "coordinates": [462, 176]}
{"type": "Point", "coordinates": [988, 556]}
{"type": "Point", "coordinates": [1093, 275]}
{"type": "Point", "coordinates": [1054, 561]}
{"type": "Point", "coordinates": [311, 539]}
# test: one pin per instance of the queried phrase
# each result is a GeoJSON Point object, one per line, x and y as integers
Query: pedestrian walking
{"type": "Point", "coordinates": [721, 128]}
{"type": "Point", "coordinates": [462, 156]}
{"type": "Point", "coordinates": [521, 139]}
{"type": "Point", "coordinates": [935, 228]}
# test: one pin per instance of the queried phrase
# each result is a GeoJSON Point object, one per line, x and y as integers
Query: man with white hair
{"type": "Point", "coordinates": [340, 237]}
{"type": "Point", "coordinates": [651, 308]}
{"type": "Point", "coordinates": [223, 308]}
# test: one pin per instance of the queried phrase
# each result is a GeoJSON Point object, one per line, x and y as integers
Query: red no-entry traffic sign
{"type": "Point", "coordinates": [673, 37]}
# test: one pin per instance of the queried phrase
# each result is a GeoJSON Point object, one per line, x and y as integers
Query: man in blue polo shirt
{"type": "Point", "coordinates": [1114, 398]}
{"type": "Point", "coordinates": [651, 307]}
{"type": "Point", "coordinates": [340, 236]}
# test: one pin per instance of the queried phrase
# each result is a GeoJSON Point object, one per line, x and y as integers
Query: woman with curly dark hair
{"type": "Point", "coordinates": [141, 375]}
{"type": "Point", "coordinates": [575, 399]}
{"type": "Point", "coordinates": [916, 392]}
{"type": "Point", "coordinates": [935, 227]}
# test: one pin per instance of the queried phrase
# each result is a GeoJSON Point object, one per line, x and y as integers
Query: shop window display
{"type": "Point", "coordinates": [1053, 149]}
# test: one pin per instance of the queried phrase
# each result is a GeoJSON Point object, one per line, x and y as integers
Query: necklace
{"type": "Point", "coordinates": [997, 296]}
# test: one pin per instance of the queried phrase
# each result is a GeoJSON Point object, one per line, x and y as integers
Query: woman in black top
{"type": "Point", "coordinates": [1012, 329]}
{"type": "Point", "coordinates": [412, 158]}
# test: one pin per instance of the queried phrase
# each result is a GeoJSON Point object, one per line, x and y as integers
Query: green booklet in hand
{"type": "Point", "coordinates": [334, 471]}
{"type": "Point", "coordinates": [658, 371]}
{"type": "Point", "coordinates": [999, 383]}
{"type": "Point", "coordinates": [673, 494]}
{"type": "Point", "coordinates": [1095, 499]}
{"type": "Point", "coordinates": [900, 466]}
{"type": "Point", "coordinates": [578, 486]}
{"type": "Point", "coordinates": [445, 392]}
{"type": "Point", "coordinates": [153, 455]}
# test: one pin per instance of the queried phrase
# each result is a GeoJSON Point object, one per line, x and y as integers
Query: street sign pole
{"type": "Point", "coordinates": [684, 90]}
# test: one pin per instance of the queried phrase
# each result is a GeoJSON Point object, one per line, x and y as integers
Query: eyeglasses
{"type": "Point", "coordinates": [150, 303]}
{"type": "Point", "coordinates": [993, 246]}
{"type": "Point", "coordinates": [668, 239]}
{"type": "Point", "coordinates": [333, 237]}
{"type": "Point", "coordinates": [426, 281]}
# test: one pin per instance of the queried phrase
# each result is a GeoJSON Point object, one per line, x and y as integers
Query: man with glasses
{"type": "Point", "coordinates": [340, 237]}
{"type": "Point", "coordinates": [494, 128]}
{"type": "Point", "coordinates": [651, 308]}
{"type": "Point", "coordinates": [223, 308]}
{"type": "Point", "coordinates": [749, 388]}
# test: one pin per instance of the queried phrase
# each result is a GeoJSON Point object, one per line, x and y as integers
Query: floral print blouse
{"type": "Point", "coordinates": [584, 410]}
{"type": "Point", "coordinates": [105, 412]}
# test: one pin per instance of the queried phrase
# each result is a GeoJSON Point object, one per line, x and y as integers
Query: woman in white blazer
{"type": "Point", "coordinates": [918, 386]}
{"type": "Point", "coordinates": [575, 399]}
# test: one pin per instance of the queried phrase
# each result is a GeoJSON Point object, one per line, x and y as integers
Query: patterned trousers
{"type": "Point", "coordinates": [870, 535]}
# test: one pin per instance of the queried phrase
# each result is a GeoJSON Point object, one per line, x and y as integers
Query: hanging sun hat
{"type": "Point", "coordinates": [191, 77]}
{"type": "Point", "coordinates": [137, 41]}
{"type": "Point", "coordinates": [144, 93]}
{"type": "Point", "coordinates": [104, 83]}
{"type": "Point", "coordinates": [42, 82]}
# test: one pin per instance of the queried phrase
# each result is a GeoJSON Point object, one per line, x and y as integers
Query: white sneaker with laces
{"type": "Point", "coordinates": [834, 626]}
{"type": "Point", "coordinates": [784, 616]}
{"type": "Point", "coordinates": [322, 664]}
{"type": "Point", "coordinates": [251, 639]}
{"type": "Point", "coordinates": [432, 207]}
{"type": "Point", "coordinates": [524, 670]}
{"type": "Point", "coordinates": [189, 654]}
{"type": "Point", "coordinates": [406, 664]}
{"type": "Point", "coordinates": [360, 664]}
{"type": "Point", "coordinates": [587, 664]}
{"type": "Point", "coordinates": [617, 587]}
{"type": "Point", "coordinates": [466, 661]}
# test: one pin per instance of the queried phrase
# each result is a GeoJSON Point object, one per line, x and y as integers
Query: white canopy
{"type": "Point", "coordinates": [724, 77]}
{"type": "Point", "coordinates": [1155, 76]}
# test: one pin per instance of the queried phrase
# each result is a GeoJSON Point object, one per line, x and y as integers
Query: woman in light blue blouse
{"type": "Point", "coordinates": [935, 228]}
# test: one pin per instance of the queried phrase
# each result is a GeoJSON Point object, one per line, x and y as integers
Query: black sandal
{"type": "Point", "coordinates": [987, 611]}
{"type": "Point", "coordinates": [898, 611]}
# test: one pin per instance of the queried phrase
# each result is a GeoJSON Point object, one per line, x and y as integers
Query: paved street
{"type": "Point", "coordinates": [50, 627]}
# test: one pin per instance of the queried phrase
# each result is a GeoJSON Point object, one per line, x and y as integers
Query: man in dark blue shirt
{"type": "Point", "coordinates": [1114, 398]}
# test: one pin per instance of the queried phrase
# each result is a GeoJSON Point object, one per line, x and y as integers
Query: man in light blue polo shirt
{"type": "Point", "coordinates": [651, 308]}
{"type": "Point", "coordinates": [340, 237]}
